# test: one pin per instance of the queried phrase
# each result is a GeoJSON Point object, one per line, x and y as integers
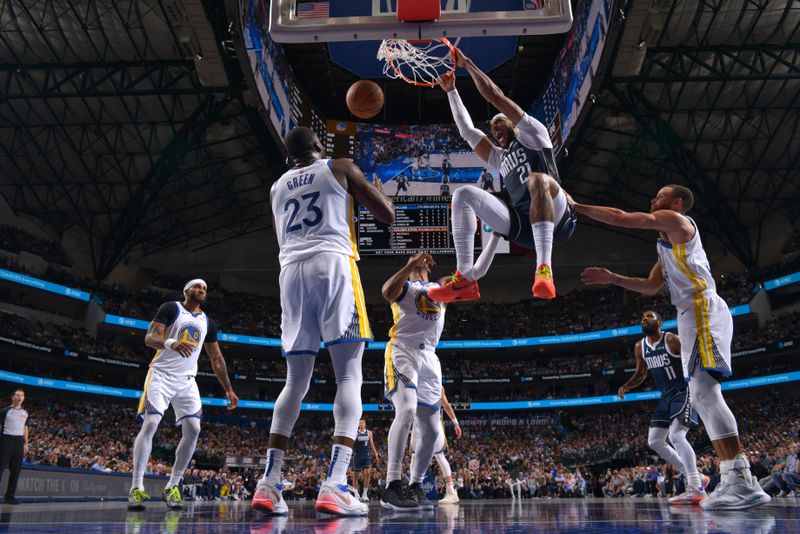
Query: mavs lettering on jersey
{"type": "Point", "coordinates": [664, 366]}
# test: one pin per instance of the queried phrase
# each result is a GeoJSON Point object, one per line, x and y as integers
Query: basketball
{"type": "Point", "coordinates": [364, 99]}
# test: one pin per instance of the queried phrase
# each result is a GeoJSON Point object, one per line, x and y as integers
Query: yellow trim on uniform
{"type": "Point", "coordinates": [351, 223]}
{"type": "Point", "coordinates": [395, 319]}
{"type": "Point", "coordinates": [158, 353]}
{"type": "Point", "coordinates": [143, 399]}
{"type": "Point", "coordinates": [701, 314]}
{"type": "Point", "coordinates": [361, 306]}
{"type": "Point", "coordinates": [389, 366]}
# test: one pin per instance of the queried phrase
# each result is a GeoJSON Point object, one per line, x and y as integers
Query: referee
{"type": "Point", "coordinates": [13, 442]}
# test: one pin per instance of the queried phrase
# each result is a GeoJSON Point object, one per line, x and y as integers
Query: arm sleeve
{"type": "Point", "coordinates": [463, 121]}
{"type": "Point", "coordinates": [532, 133]}
{"type": "Point", "coordinates": [495, 158]}
{"type": "Point", "coordinates": [167, 313]}
{"type": "Point", "coordinates": [211, 337]}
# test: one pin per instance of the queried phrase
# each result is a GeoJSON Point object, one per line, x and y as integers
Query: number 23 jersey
{"type": "Point", "coordinates": [313, 213]}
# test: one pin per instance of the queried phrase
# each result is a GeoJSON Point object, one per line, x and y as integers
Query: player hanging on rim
{"type": "Point", "coordinates": [413, 374]}
{"type": "Point", "coordinates": [538, 214]}
{"type": "Point", "coordinates": [705, 329]}
{"type": "Point", "coordinates": [450, 495]}
{"type": "Point", "coordinates": [660, 353]}
{"type": "Point", "coordinates": [321, 299]}
{"type": "Point", "coordinates": [363, 451]}
{"type": "Point", "coordinates": [178, 332]}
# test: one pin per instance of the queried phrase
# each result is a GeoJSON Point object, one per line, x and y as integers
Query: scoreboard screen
{"type": "Point", "coordinates": [422, 224]}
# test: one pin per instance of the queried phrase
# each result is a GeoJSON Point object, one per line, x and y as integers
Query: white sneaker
{"type": "Point", "coordinates": [364, 497]}
{"type": "Point", "coordinates": [690, 496]}
{"type": "Point", "coordinates": [449, 498]}
{"type": "Point", "coordinates": [340, 500]}
{"type": "Point", "coordinates": [268, 499]}
{"type": "Point", "coordinates": [737, 490]}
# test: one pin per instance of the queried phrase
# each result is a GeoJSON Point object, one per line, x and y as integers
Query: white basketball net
{"type": "Point", "coordinates": [418, 63]}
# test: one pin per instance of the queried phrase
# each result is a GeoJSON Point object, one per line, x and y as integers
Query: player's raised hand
{"type": "Point", "coordinates": [461, 59]}
{"type": "Point", "coordinates": [233, 400]}
{"type": "Point", "coordinates": [596, 275]}
{"type": "Point", "coordinates": [447, 82]}
{"type": "Point", "coordinates": [621, 392]}
{"type": "Point", "coordinates": [421, 259]}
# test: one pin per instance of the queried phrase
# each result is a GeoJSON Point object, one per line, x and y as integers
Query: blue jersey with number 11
{"type": "Point", "coordinates": [663, 365]}
{"type": "Point", "coordinates": [313, 213]}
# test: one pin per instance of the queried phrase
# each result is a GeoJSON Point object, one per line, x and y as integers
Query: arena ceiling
{"type": "Point", "coordinates": [129, 121]}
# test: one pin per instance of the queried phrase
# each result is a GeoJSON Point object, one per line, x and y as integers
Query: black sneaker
{"type": "Point", "coordinates": [415, 493]}
{"type": "Point", "coordinates": [394, 498]}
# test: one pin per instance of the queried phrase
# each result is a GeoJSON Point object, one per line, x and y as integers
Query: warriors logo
{"type": "Point", "coordinates": [189, 334]}
{"type": "Point", "coordinates": [427, 308]}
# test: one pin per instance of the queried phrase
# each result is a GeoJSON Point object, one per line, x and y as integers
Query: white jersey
{"type": "Point", "coordinates": [194, 329]}
{"type": "Point", "coordinates": [418, 319]}
{"type": "Point", "coordinates": [687, 272]}
{"type": "Point", "coordinates": [313, 214]}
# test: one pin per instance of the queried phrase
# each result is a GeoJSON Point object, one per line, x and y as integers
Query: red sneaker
{"type": "Point", "coordinates": [458, 288]}
{"type": "Point", "coordinates": [543, 286]}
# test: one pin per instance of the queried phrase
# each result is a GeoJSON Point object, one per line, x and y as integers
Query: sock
{"type": "Point", "coordinates": [693, 481]}
{"type": "Point", "coordinates": [465, 225]}
{"type": "Point", "coordinates": [450, 488]}
{"type": "Point", "coordinates": [543, 239]}
{"type": "Point", "coordinates": [340, 461]}
{"type": "Point", "coordinates": [274, 467]}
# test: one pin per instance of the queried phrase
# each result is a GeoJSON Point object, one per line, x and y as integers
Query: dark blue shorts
{"type": "Point", "coordinates": [361, 462]}
{"type": "Point", "coordinates": [521, 232]}
{"type": "Point", "coordinates": [678, 406]}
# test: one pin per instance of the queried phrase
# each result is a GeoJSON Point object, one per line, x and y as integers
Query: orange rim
{"type": "Point", "coordinates": [448, 74]}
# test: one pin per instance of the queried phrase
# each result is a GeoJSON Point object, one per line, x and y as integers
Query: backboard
{"type": "Point", "coordinates": [304, 21]}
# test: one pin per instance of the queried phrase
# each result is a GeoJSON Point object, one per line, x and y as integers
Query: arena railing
{"type": "Point", "coordinates": [94, 389]}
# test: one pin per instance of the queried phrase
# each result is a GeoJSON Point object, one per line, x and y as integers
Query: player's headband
{"type": "Point", "coordinates": [194, 282]}
{"type": "Point", "coordinates": [497, 117]}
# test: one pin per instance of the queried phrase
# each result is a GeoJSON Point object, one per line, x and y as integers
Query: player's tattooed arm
{"type": "Point", "coordinates": [489, 90]}
{"type": "Point", "coordinates": [154, 338]}
{"type": "Point", "coordinates": [393, 287]}
{"type": "Point", "coordinates": [639, 375]}
{"type": "Point", "coordinates": [221, 372]}
{"type": "Point", "coordinates": [649, 286]}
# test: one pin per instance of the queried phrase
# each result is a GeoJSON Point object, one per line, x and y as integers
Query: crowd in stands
{"type": "Point", "coordinates": [552, 454]}
{"type": "Point", "coordinates": [16, 240]}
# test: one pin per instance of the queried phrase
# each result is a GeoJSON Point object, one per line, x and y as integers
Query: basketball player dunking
{"type": "Point", "coordinates": [450, 495]}
{"type": "Point", "coordinates": [321, 299]}
{"type": "Point", "coordinates": [660, 353]}
{"type": "Point", "coordinates": [178, 332]}
{"type": "Point", "coordinates": [705, 328]}
{"type": "Point", "coordinates": [363, 452]}
{"type": "Point", "coordinates": [413, 374]}
{"type": "Point", "coordinates": [537, 216]}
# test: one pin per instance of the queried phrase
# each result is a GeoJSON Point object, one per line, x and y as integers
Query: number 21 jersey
{"type": "Point", "coordinates": [313, 214]}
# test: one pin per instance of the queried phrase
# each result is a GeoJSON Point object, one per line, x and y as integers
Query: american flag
{"type": "Point", "coordinates": [313, 10]}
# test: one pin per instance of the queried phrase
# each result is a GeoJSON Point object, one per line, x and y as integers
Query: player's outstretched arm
{"type": "Point", "coordinates": [662, 220]}
{"type": "Point", "coordinates": [475, 138]}
{"type": "Point", "coordinates": [363, 190]}
{"type": "Point", "coordinates": [639, 374]}
{"type": "Point", "coordinates": [489, 90]}
{"type": "Point", "coordinates": [649, 286]}
{"type": "Point", "coordinates": [448, 409]}
{"type": "Point", "coordinates": [393, 287]}
{"type": "Point", "coordinates": [221, 372]}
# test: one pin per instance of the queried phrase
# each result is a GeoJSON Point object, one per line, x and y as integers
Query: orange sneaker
{"type": "Point", "coordinates": [458, 288]}
{"type": "Point", "coordinates": [543, 286]}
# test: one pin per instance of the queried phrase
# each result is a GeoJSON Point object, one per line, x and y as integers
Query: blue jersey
{"type": "Point", "coordinates": [361, 446]}
{"type": "Point", "coordinates": [664, 366]}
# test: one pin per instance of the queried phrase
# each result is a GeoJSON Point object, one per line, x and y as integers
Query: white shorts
{"type": "Point", "coordinates": [438, 447]}
{"type": "Point", "coordinates": [415, 368]}
{"type": "Point", "coordinates": [321, 299]}
{"type": "Point", "coordinates": [705, 328]}
{"type": "Point", "coordinates": [162, 390]}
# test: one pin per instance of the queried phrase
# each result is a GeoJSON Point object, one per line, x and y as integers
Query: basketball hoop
{"type": "Point", "coordinates": [418, 62]}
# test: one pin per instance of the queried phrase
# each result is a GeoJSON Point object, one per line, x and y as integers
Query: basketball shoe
{"type": "Point", "coordinates": [457, 289]}
{"type": "Point", "coordinates": [394, 498]}
{"type": "Point", "coordinates": [340, 500]}
{"type": "Point", "coordinates": [543, 286]}
{"type": "Point", "coordinates": [136, 499]}
{"type": "Point", "coordinates": [737, 490]}
{"type": "Point", "coordinates": [172, 496]}
{"type": "Point", "coordinates": [690, 496]}
{"type": "Point", "coordinates": [416, 494]}
{"type": "Point", "coordinates": [268, 499]}
{"type": "Point", "coordinates": [450, 497]}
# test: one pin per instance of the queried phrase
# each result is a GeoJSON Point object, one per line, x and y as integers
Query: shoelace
{"type": "Point", "coordinates": [454, 278]}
